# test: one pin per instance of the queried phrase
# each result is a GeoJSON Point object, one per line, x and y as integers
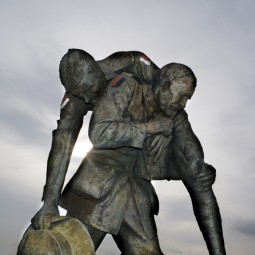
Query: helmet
{"type": "Point", "coordinates": [80, 73]}
{"type": "Point", "coordinates": [67, 236]}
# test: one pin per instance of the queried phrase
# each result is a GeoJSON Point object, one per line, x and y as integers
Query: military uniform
{"type": "Point", "coordinates": [111, 190]}
{"type": "Point", "coordinates": [105, 193]}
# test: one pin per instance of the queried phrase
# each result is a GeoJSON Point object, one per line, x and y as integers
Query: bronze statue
{"type": "Point", "coordinates": [140, 132]}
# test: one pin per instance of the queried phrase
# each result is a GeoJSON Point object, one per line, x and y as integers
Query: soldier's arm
{"type": "Point", "coordinates": [64, 137]}
{"type": "Point", "coordinates": [111, 128]}
{"type": "Point", "coordinates": [188, 155]}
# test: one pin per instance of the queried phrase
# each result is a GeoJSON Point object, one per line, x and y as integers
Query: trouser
{"type": "Point", "coordinates": [127, 241]}
{"type": "Point", "coordinates": [131, 238]}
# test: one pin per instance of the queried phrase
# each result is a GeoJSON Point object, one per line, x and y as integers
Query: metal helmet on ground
{"type": "Point", "coordinates": [66, 236]}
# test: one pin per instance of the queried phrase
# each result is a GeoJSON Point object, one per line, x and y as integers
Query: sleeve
{"type": "Point", "coordinates": [109, 126]}
{"type": "Point", "coordinates": [63, 140]}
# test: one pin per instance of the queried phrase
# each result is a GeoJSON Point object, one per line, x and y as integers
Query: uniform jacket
{"type": "Point", "coordinates": [99, 191]}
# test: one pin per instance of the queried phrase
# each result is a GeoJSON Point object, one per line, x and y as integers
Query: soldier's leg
{"type": "Point", "coordinates": [96, 235]}
{"type": "Point", "coordinates": [198, 177]}
{"type": "Point", "coordinates": [139, 246]}
{"type": "Point", "coordinates": [132, 239]}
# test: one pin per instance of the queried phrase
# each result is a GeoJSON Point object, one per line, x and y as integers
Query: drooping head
{"type": "Point", "coordinates": [173, 86]}
{"type": "Point", "coordinates": [81, 75]}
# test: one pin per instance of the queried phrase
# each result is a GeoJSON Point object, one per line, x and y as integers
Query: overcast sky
{"type": "Point", "coordinates": [215, 38]}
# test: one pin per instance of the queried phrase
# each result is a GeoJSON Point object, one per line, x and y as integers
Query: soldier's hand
{"type": "Point", "coordinates": [160, 125]}
{"type": "Point", "coordinates": [45, 217]}
{"type": "Point", "coordinates": [207, 177]}
{"type": "Point", "coordinates": [158, 144]}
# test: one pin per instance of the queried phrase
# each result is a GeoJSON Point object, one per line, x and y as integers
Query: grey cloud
{"type": "Point", "coordinates": [108, 247]}
{"type": "Point", "coordinates": [19, 207]}
{"type": "Point", "coordinates": [28, 112]}
{"type": "Point", "coordinates": [28, 127]}
{"type": "Point", "coordinates": [177, 208]}
{"type": "Point", "coordinates": [246, 227]}
{"type": "Point", "coordinates": [11, 250]}
{"type": "Point", "coordinates": [176, 251]}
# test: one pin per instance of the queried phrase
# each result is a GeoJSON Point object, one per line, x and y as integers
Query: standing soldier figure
{"type": "Point", "coordinates": [104, 193]}
{"type": "Point", "coordinates": [111, 192]}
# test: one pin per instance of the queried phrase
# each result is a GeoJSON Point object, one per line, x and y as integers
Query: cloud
{"type": "Point", "coordinates": [176, 251]}
{"type": "Point", "coordinates": [108, 247]}
{"type": "Point", "coordinates": [19, 207]}
{"type": "Point", "coordinates": [246, 227]}
{"type": "Point", "coordinates": [175, 205]}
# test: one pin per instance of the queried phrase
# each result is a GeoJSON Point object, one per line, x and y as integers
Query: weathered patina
{"type": "Point", "coordinates": [140, 132]}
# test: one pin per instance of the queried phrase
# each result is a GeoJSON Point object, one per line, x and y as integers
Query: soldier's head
{"type": "Point", "coordinates": [173, 86]}
{"type": "Point", "coordinates": [81, 75]}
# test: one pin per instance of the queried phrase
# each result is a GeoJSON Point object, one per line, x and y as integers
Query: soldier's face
{"type": "Point", "coordinates": [90, 83]}
{"type": "Point", "coordinates": [174, 97]}
{"type": "Point", "coordinates": [89, 96]}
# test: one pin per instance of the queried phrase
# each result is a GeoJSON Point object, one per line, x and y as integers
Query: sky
{"type": "Point", "coordinates": [215, 38]}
